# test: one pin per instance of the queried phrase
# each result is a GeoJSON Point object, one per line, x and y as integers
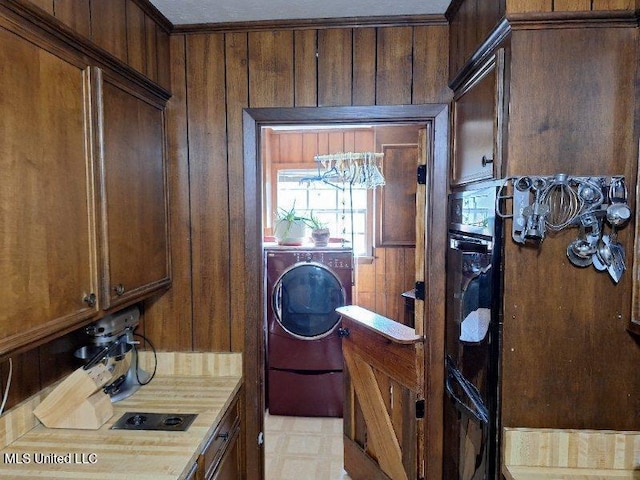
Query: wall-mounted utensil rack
{"type": "Point", "coordinates": [547, 204]}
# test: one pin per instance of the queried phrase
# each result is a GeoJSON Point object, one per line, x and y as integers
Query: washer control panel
{"type": "Point", "coordinates": [334, 260]}
{"type": "Point", "coordinates": [340, 263]}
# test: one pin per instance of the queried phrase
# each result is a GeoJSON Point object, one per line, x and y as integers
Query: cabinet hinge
{"type": "Point", "coordinates": [260, 438]}
{"type": "Point", "coordinates": [420, 408]}
{"type": "Point", "coordinates": [419, 290]}
{"type": "Point", "coordinates": [422, 174]}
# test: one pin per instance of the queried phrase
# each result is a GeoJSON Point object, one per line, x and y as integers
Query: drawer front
{"type": "Point", "coordinates": [229, 466]}
{"type": "Point", "coordinates": [221, 438]}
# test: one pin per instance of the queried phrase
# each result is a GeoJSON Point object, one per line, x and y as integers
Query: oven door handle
{"type": "Point", "coordinates": [480, 413]}
{"type": "Point", "coordinates": [467, 246]}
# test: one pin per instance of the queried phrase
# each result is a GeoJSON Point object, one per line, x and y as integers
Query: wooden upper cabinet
{"type": "Point", "coordinates": [48, 261]}
{"type": "Point", "coordinates": [134, 225]}
{"type": "Point", "coordinates": [477, 123]}
{"type": "Point", "coordinates": [83, 202]}
{"type": "Point", "coordinates": [397, 198]}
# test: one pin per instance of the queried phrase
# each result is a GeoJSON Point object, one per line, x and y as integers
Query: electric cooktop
{"type": "Point", "coordinates": [177, 422]}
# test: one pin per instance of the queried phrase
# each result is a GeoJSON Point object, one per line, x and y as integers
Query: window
{"type": "Point", "coordinates": [345, 209]}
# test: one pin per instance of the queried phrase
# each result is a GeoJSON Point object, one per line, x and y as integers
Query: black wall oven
{"type": "Point", "coordinates": [473, 335]}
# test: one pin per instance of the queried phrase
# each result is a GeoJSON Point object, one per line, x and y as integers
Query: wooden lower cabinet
{"type": "Point", "coordinates": [221, 457]}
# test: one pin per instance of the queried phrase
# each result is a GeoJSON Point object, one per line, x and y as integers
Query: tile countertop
{"type": "Point", "coordinates": [202, 383]}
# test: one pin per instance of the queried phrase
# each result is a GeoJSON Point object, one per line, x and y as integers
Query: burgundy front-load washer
{"type": "Point", "coordinates": [304, 286]}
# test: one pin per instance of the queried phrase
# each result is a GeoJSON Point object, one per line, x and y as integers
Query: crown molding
{"type": "Point", "coordinates": [310, 23]}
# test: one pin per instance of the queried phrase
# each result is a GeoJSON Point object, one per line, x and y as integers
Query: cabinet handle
{"type": "Point", "coordinates": [486, 160]}
{"type": "Point", "coordinates": [119, 289]}
{"type": "Point", "coordinates": [90, 299]}
{"type": "Point", "coordinates": [224, 435]}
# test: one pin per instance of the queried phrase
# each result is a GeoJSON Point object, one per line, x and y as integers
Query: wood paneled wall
{"type": "Point", "coordinates": [167, 319]}
{"type": "Point", "coordinates": [130, 30]}
{"type": "Point", "coordinates": [226, 72]}
{"type": "Point", "coordinates": [566, 349]}
{"type": "Point", "coordinates": [302, 146]}
{"type": "Point", "coordinates": [472, 21]}
{"type": "Point", "coordinates": [380, 283]}
{"type": "Point", "coordinates": [524, 6]}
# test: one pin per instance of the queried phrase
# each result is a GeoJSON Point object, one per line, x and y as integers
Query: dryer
{"type": "Point", "coordinates": [303, 287]}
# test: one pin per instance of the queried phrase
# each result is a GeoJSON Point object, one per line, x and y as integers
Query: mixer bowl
{"type": "Point", "coordinates": [89, 351]}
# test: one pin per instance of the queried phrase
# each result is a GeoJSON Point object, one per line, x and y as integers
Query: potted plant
{"type": "Point", "coordinates": [319, 231]}
{"type": "Point", "coordinates": [290, 228]}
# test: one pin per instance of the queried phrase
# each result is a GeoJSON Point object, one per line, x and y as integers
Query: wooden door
{"type": "Point", "coordinates": [131, 150]}
{"type": "Point", "coordinates": [384, 387]}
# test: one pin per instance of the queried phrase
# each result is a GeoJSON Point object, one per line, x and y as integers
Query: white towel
{"type": "Point", "coordinates": [475, 326]}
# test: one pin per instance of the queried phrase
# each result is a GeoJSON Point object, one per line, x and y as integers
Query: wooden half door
{"type": "Point", "coordinates": [384, 375]}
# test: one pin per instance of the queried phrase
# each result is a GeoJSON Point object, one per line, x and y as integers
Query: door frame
{"type": "Point", "coordinates": [435, 231]}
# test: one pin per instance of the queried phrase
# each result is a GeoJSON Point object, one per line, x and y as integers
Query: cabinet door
{"type": "Point", "coordinates": [134, 224]}
{"type": "Point", "coordinates": [477, 124]}
{"type": "Point", "coordinates": [48, 260]}
{"type": "Point", "coordinates": [397, 199]}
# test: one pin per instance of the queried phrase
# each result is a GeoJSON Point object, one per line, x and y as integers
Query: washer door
{"type": "Point", "coordinates": [305, 298]}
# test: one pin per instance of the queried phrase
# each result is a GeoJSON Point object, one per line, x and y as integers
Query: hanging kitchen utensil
{"type": "Point", "coordinates": [563, 201]}
{"type": "Point", "coordinates": [618, 192]}
{"type": "Point", "coordinates": [521, 200]}
{"type": "Point", "coordinates": [577, 259]}
{"type": "Point", "coordinates": [536, 213]}
{"type": "Point", "coordinates": [618, 211]}
{"type": "Point", "coordinates": [617, 266]}
{"type": "Point", "coordinates": [602, 258]}
{"type": "Point", "coordinates": [618, 214]}
{"type": "Point", "coordinates": [581, 250]}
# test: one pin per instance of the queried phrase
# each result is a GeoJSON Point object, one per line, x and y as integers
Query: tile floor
{"type": "Point", "coordinates": [301, 448]}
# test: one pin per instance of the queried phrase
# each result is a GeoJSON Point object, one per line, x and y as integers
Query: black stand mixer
{"type": "Point", "coordinates": [113, 335]}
